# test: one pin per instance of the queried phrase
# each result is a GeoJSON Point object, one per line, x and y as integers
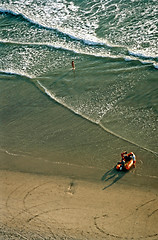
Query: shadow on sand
{"type": "Point", "coordinates": [112, 176]}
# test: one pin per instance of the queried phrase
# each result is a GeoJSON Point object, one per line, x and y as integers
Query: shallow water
{"type": "Point", "coordinates": [113, 88]}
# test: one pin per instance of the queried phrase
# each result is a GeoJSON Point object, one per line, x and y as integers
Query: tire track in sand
{"type": "Point", "coordinates": [145, 210]}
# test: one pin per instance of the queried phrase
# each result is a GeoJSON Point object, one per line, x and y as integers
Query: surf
{"type": "Point", "coordinates": [52, 96]}
{"type": "Point", "coordinates": [112, 58]}
{"type": "Point", "coordinates": [88, 45]}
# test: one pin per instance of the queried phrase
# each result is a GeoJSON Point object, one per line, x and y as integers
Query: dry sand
{"type": "Point", "coordinates": [47, 207]}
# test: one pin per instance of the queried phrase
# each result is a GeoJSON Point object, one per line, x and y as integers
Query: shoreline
{"type": "Point", "coordinates": [58, 179]}
{"type": "Point", "coordinates": [37, 206]}
{"type": "Point", "coordinates": [108, 174]}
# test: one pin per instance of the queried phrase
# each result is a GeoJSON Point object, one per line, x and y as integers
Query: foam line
{"type": "Point", "coordinates": [87, 42]}
{"type": "Point", "coordinates": [65, 48]}
{"type": "Point", "coordinates": [14, 154]}
{"type": "Point", "coordinates": [52, 96]}
{"type": "Point", "coordinates": [126, 140]}
{"type": "Point", "coordinates": [18, 73]}
{"type": "Point", "coordinates": [83, 52]}
{"type": "Point", "coordinates": [141, 55]}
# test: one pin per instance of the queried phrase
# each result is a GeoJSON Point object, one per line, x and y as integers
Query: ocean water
{"type": "Point", "coordinates": [113, 88]}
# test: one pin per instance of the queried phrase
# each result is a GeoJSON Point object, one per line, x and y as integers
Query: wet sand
{"type": "Point", "coordinates": [58, 179]}
{"type": "Point", "coordinates": [35, 206]}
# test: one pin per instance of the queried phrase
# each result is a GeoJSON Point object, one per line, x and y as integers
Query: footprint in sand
{"type": "Point", "coordinates": [71, 188]}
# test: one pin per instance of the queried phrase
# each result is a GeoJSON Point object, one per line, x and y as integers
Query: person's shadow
{"type": "Point", "coordinates": [112, 176]}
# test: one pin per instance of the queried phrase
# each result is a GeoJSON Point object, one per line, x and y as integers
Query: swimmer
{"type": "Point", "coordinates": [73, 65]}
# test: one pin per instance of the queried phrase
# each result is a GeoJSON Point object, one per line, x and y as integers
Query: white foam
{"type": "Point", "coordinates": [68, 47]}
{"type": "Point", "coordinates": [141, 55]}
{"type": "Point", "coordinates": [16, 72]}
{"type": "Point", "coordinates": [156, 66]}
{"type": "Point", "coordinates": [21, 154]}
{"type": "Point", "coordinates": [79, 27]}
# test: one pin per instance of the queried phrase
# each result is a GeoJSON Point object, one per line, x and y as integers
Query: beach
{"type": "Point", "coordinates": [47, 207]}
{"type": "Point", "coordinates": [65, 185]}
{"type": "Point", "coordinates": [59, 196]}
{"type": "Point", "coordinates": [78, 86]}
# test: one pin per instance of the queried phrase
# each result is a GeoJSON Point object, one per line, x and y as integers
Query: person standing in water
{"type": "Point", "coordinates": [73, 65]}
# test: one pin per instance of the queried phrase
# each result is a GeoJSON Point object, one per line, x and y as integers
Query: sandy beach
{"type": "Point", "coordinates": [62, 130]}
{"type": "Point", "coordinates": [66, 187]}
{"type": "Point", "coordinates": [46, 207]}
{"type": "Point", "coordinates": [58, 179]}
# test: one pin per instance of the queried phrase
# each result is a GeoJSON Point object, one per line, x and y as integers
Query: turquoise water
{"type": "Point", "coordinates": [114, 46]}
